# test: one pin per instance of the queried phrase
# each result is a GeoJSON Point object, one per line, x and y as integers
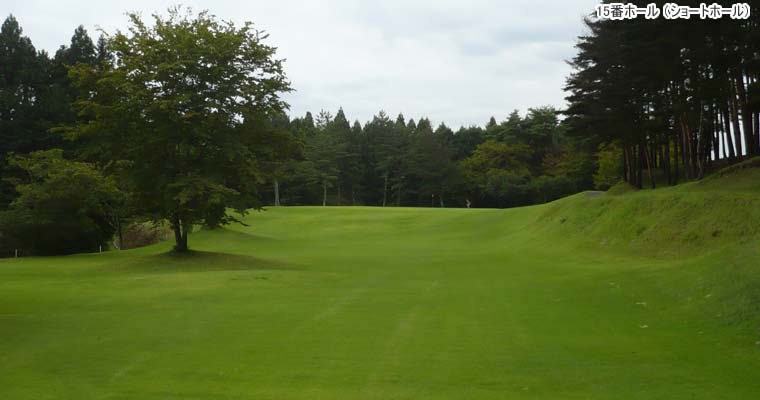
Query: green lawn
{"type": "Point", "coordinates": [638, 296]}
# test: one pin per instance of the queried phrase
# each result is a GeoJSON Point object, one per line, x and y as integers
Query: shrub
{"type": "Point", "coordinates": [610, 167]}
{"type": "Point", "coordinates": [63, 207]}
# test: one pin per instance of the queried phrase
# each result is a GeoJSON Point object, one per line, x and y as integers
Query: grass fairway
{"type": "Point", "coordinates": [590, 297]}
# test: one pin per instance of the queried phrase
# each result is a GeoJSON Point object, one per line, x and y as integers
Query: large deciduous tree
{"type": "Point", "coordinates": [173, 108]}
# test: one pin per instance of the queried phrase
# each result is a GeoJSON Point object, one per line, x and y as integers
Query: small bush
{"type": "Point", "coordinates": [144, 234]}
{"type": "Point", "coordinates": [610, 166]}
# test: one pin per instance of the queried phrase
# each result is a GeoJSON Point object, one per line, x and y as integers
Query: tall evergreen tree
{"type": "Point", "coordinates": [687, 103]}
{"type": "Point", "coordinates": [24, 123]}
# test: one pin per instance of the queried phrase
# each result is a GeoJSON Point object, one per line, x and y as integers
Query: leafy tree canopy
{"type": "Point", "coordinates": [63, 206]}
{"type": "Point", "coordinates": [173, 107]}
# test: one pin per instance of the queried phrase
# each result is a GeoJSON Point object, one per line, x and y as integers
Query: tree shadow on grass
{"type": "Point", "coordinates": [198, 261]}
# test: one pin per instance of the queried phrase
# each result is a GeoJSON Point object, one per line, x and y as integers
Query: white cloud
{"type": "Point", "coordinates": [453, 61]}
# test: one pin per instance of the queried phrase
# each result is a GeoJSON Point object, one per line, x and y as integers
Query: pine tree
{"type": "Point", "coordinates": [24, 123]}
{"type": "Point", "coordinates": [103, 55]}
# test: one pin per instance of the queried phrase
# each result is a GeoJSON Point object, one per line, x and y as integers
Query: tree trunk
{"type": "Point", "coordinates": [675, 161]}
{"type": "Point", "coordinates": [632, 165]}
{"type": "Point", "coordinates": [757, 130]}
{"type": "Point", "coordinates": [276, 192]}
{"type": "Point", "coordinates": [398, 194]}
{"type": "Point", "coordinates": [746, 117]}
{"type": "Point", "coordinates": [440, 197]}
{"type": "Point", "coordinates": [649, 165]}
{"type": "Point", "coordinates": [700, 158]}
{"type": "Point", "coordinates": [685, 148]}
{"type": "Point", "coordinates": [625, 165]}
{"type": "Point", "coordinates": [186, 226]}
{"type": "Point", "coordinates": [180, 234]}
{"type": "Point", "coordinates": [659, 155]}
{"type": "Point", "coordinates": [724, 138]}
{"type": "Point", "coordinates": [729, 138]}
{"type": "Point", "coordinates": [385, 189]}
{"type": "Point", "coordinates": [177, 229]}
{"type": "Point", "coordinates": [181, 247]}
{"type": "Point", "coordinates": [639, 168]}
{"type": "Point", "coordinates": [324, 194]}
{"type": "Point", "coordinates": [185, 232]}
{"type": "Point", "coordinates": [716, 135]}
{"type": "Point", "coordinates": [121, 234]}
{"type": "Point", "coordinates": [654, 151]}
{"type": "Point", "coordinates": [666, 161]}
{"type": "Point", "coordinates": [735, 121]}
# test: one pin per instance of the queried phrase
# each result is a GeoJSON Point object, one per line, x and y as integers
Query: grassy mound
{"type": "Point", "coordinates": [678, 221]}
{"type": "Point", "coordinates": [687, 219]}
{"type": "Point", "coordinates": [649, 294]}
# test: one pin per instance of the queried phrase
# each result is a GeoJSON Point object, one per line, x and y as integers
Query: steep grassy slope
{"type": "Point", "coordinates": [684, 219]}
{"type": "Point", "coordinates": [642, 296]}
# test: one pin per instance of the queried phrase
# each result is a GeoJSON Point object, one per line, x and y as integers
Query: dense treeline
{"type": "Point", "coordinates": [36, 94]}
{"type": "Point", "coordinates": [673, 97]}
{"type": "Point", "coordinates": [399, 162]}
{"type": "Point", "coordinates": [50, 203]}
{"type": "Point", "coordinates": [107, 133]}
{"type": "Point", "coordinates": [182, 120]}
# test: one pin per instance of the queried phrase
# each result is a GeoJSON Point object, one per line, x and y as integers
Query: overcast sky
{"type": "Point", "coordinates": [459, 62]}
